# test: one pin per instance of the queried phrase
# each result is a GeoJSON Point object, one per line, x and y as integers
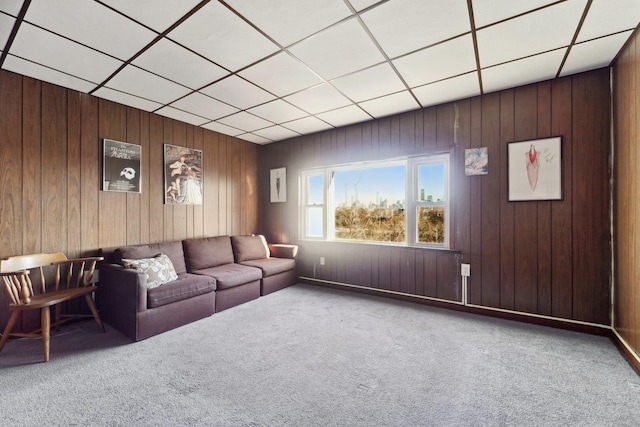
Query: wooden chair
{"type": "Point", "coordinates": [71, 279]}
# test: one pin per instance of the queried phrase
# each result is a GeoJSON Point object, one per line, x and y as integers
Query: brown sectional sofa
{"type": "Point", "coordinates": [213, 274]}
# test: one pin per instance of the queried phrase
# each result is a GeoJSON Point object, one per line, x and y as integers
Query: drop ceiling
{"type": "Point", "coordinates": [265, 71]}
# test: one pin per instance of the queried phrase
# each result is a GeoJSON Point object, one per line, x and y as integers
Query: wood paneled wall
{"type": "Point", "coordinates": [50, 175]}
{"type": "Point", "coordinates": [626, 196]}
{"type": "Point", "coordinates": [549, 258]}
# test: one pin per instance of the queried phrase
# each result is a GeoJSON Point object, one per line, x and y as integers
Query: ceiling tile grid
{"type": "Point", "coordinates": [268, 71]}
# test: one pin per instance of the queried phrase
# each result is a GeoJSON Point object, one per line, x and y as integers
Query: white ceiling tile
{"type": "Point", "coordinates": [404, 26]}
{"type": "Point", "coordinates": [204, 106]}
{"type": "Point", "coordinates": [465, 86]}
{"type": "Point", "coordinates": [157, 14]}
{"type": "Point", "coordinates": [183, 116]}
{"type": "Point", "coordinates": [608, 17]}
{"type": "Point", "coordinates": [362, 4]}
{"type": "Point", "coordinates": [224, 129]}
{"type": "Point", "coordinates": [141, 83]}
{"type": "Point", "coordinates": [487, 12]}
{"type": "Point", "coordinates": [594, 54]}
{"type": "Point", "coordinates": [92, 24]}
{"type": "Point", "coordinates": [370, 83]}
{"type": "Point", "coordinates": [238, 92]}
{"type": "Point", "coordinates": [245, 121]}
{"type": "Point", "coordinates": [390, 104]}
{"type": "Point", "coordinates": [344, 116]}
{"type": "Point", "coordinates": [524, 71]}
{"type": "Point", "coordinates": [317, 99]}
{"type": "Point", "coordinates": [220, 35]}
{"type": "Point", "coordinates": [12, 7]}
{"type": "Point", "coordinates": [6, 26]}
{"type": "Point", "coordinates": [288, 22]}
{"type": "Point", "coordinates": [277, 111]}
{"type": "Point", "coordinates": [28, 68]}
{"type": "Point", "coordinates": [281, 75]}
{"type": "Point", "coordinates": [340, 50]}
{"type": "Point", "coordinates": [276, 133]}
{"type": "Point", "coordinates": [48, 49]}
{"type": "Point", "coordinates": [438, 62]}
{"type": "Point", "coordinates": [306, 125]}
{"type": "Point", "coordinates": [537, 32]}
{"type": "Point", "coordinates": [254, 138]}
{"type": "Point", "coordinates": [126, 99]}
{"type": "Point", "coordinates": [169, 60]}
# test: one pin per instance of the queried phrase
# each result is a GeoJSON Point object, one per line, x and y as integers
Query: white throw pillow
{"type": "Point", "coordinates": [159, 269]}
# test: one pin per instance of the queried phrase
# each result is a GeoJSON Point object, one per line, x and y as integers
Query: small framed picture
{"type": "Point", "coordinates": [182, 175]}
{"type": "Point", "coordinates": [476, 161]}
{"type": "Point", "coordinates": [535, 169]}
{"type": "Point", "coordinates": [121, 166]}
{"type": "Point", "coordinates": [278, 185]}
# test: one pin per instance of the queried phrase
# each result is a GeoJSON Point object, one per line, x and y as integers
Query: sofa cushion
{"type": "Point", "coordinates": [172, 249]}
{"type": "Point", "coordinates": [246, 248]}
{"type": "Point", "coordinates": [231, 275]}
{"type": "Point", "coordinates": [185, 286]}
{"type": "Point", "coordinates": [271, 266]}
{"type": "Point", "coordinates": [207, 252]}
{"type": "Point", "coordinates": [159, 269]}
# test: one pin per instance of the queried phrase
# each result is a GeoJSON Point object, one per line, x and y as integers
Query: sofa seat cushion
{"type": "Point", "coordinates": [272, 266]}
{"type": "Point", "coordinates": [231, 275]}
{"type": "Point", "coordinates": [185, 286]}
{"type": "Point", "coordinates": [207, 252]}
{"type": "Point", "coordinates": [172, 249]}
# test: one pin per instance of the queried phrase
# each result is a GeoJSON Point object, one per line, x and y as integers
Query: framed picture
{"type": "Point", "coordinates": [120, 166]}
{"type": "Point", "coordinates": [278, 183]}
{"type": "Point", "coordinates": [535, 169]}
{"type": "Point", "coordinates": [476, 161]}
{"type": "Point", "coordinates": [183, 183]}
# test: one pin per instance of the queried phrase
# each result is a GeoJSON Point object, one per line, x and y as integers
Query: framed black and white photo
{"type": "Point", "coordinates": [183, 182]}
{"type": "Point", "coordinates": [278, 181]}
{"type": "Point", "coordinates": [535, 169]}
{"type": "Point", "coordinates": [121, 166]}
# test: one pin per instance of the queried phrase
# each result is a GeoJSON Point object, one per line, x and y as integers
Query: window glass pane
{"type": "Point", "coordinates": [431, 182]}
{"type": "Point", "coordinates": [370, 204]}
{"type": "Point", "coordinates": [315, 192]}
{"type": "Point", "coordinates": [431, 224]}
{"type": "Point", "coordinates": [315, 226]}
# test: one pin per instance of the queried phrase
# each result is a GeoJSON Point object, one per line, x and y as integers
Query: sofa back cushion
{"type": "Point", "coordinates": [206, 252]}
{"type": "Point", "coordinates": [249, 247]}
{"type": "Point", "coordinates": [171, 249]}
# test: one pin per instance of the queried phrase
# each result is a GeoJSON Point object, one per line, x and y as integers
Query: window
{"type": "Point", "coordinates": [379, 202]}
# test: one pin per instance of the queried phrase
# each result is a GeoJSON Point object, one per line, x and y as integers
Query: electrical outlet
{"type": "Point", "coordinates": [321, 260]}
{"type": "Point", "coordinates": [465, 270]}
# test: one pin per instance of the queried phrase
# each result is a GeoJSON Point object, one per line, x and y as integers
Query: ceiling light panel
{"type": "Point", "coordinates": [288, 22]}
{"type": "Point", "coordinates": [11, 7]}
{"type": "Point", "coordinates": [91, 24]}
{"type": "Point", "coordinates": [609, 16]}
{"type": "Point", "coordinates": [465, 86]}
{"type": "Point", "coordinates": [370, 83]}
{"type": "Point", "coordinates": [276, 133]}
{"type": "Point", "coordinates": [404, 26]}
{"type": "Point", "coordinates": [220, 35]}
{"type": "Point", "coordinates": [517, 73]}
{"type": "Point", "coordinates": [307, 125]}
{"type": "Point", "coordinates": [156, 14]}
{"type": "Point", "coordinates": [278, 111]}
{"type": "Point", "coordinates": [344, 116]}
{"type": "Point", "coordinates": [220, 128]}
{"type": "Point", "coordinates": [537, 32]}
{"type": "Point", "coordinates": [169, 60]}
{"type": "Point", "coordinates": [126, 99]}
{"type": "Point", "coordinates": [204, 106]}
{"type": "Point", "coordinates": [141, 83]}
{"type": "Point", "coordinates": [438, 62]}
{"type": "Point", "coordinates": [183, 116]}
{"type": "Point", "coordinates": [31, 69]}
{"type": "Point", "coordinates": [238, 92]}
{"type": "Point", "coordinates": [254, 138]}
{"type": "Point", "coordinates": [597, 53]}
{"type": "Point", "coordinates": [390, 104]}
{"type": "Point", "coordinates": [342, 49]}
{"type": "Point", "coordinates": [487, 12]}
{"type": "Point", "coordinates": [318, 99]}
{"type": "Point", "coordinates": [48, 49]}
{"type": "Point", "coordinates": [6, 26]}
{"type": "Point", "coordinates": [281, 74]}
{"type": "Point", "coordinates": [245, 121]}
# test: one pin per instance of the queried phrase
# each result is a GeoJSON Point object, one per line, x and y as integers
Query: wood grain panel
{"type": "Point", "coordinates": [74, 175]}
{"type": "Point", "coordinates": [447, 276]}
{"type": "Point", "coordinates": [133, 199]}
{"type": "Point", "coordinates": [156, 178]}
{"type": "Point", "coordinates": [507, 218]}
{"type": "Point", "coordinates": [221, 166]}
{"type": "Point", "coordinates": [446, 125]}
{"type": "Point", "coordinates": [145, 184]}
{"type": "Point", "coordinates": [168, 209]}
{"type": "Point", "coordinates": [475, 209]}
{"type": "Point", "coordinates": [462, 184]}
{"type": "Point", "coordinates": [91, 173]}
{"type": "Point", "coordinates": [31, 167]}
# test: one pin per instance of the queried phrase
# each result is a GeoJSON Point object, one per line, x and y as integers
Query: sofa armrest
{"type": "Point", "coordinates": [122, 289]}
{"type": "Point", "coordinates": [281, 250]}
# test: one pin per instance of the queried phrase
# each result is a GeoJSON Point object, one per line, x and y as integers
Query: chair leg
{"type": "Point", "coordinates": [94, 310]}
{"type": "Point", "coordinates": [45, 321]}
{"type": "Point", "coordinates": [7, 330]}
